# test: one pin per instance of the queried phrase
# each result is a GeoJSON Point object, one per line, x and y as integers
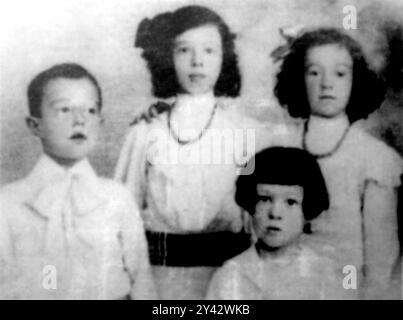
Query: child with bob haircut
{"type": "Point", "coordinates": [283, 195]}
{"type": "Point", "coordinates": [326, 83]}
{"type": "Point", "coordinates": [66, 233]}
{"type": "Point", "coordinates": [181, 164]}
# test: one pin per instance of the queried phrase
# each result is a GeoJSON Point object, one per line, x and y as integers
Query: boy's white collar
{"type": "Point", "coordinates": [53, 182]}
{"type": "Point", "coordinates": [46, 171]}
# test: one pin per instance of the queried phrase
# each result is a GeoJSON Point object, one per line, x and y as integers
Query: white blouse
{"type": "Point", "coordinates": [191, 187]}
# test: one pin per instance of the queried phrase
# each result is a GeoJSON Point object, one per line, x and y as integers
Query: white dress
{"type": "Point", "coordinates": [299, 274]}
{"type": "Point", "coordinates": [342, 231]}
{"type": "Point", "coordinates": [188, 189]}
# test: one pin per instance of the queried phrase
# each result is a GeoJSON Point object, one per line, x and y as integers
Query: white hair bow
{"type": "Point", "coordinates": [289, 34]}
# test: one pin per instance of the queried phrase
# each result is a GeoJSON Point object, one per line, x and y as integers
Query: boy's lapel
{"type": "Point", "coordinates": [63, 197]}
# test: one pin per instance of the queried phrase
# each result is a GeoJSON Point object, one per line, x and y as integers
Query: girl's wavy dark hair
{"type": "Point", "coordinates": [368, 90]}
{"type": "Point", "coordinates": [156, 37]}
{"type": "Point", "coordinates": [284, 166]}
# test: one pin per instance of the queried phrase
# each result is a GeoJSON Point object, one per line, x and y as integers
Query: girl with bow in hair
{"type": "Point", "coordinates": [181, 164]}
{"type": "Point", "coordinates": [326, 83]}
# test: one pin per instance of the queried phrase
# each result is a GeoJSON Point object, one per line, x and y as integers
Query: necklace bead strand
{"type": "Point", "coordinates": [326, 154]}
{"type": "Point", "coordinates": [199, 136]}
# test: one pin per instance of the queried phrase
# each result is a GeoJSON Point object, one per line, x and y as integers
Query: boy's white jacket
{"type": "Point", "coordinates": [71, 235]}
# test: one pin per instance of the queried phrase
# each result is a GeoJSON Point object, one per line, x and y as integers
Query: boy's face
{"type": "Point", "coordinates": [278, 218]}
{"type": "Point", "coordinates": [70, 119]}
{"type": "Point", "coordinates": [197, 56]}
{"type": "Point", "coordinates": [328, 79]}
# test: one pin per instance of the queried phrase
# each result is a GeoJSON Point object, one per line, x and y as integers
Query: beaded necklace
{"type": "Point", "coordinates": [184, 142]}
{"type": "Point", "coordinates": [326, 154]}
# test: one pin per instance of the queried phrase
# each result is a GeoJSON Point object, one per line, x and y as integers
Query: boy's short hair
{"type": "Point", "coordinates": [285, 166]}
{"type": "Point", "coordinates": [65, 70]}
{"type": "Point", "coordinates": [367, 92]}
{"type": "Point", "coordinates": [156, 38]}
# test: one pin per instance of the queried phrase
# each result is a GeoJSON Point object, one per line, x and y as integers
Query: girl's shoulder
{"type": "Point", "coordinates": [236, 278]}
{"type": "Point", "coordinates": [138, 137]}
{"type": "Point", "coordinates": [314, 261]}
{"type": "Point", "coordinates": [151, 119]}
{"type": "Point", "coordinates": [382, 163]}
{"type": "Point", "coordinates": [156, 111]}
{"type": "Point", "coordinates": [228, 112]}
{"type": "Point", "coordinates": [366, 143]}
{"type": "Point", "coordinates": [245, 263]}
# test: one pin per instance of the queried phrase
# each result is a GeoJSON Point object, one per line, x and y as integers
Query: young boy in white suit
{"type": "Point", "coordinates": [66, 233]}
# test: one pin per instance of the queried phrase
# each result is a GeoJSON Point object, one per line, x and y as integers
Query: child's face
{"type": "Point", "coordinates": [70, 119]}
{"type": "Point", "coordinates": [328, 79]}
{"type": "Point", "coordinates": [278, 218]}
{"type": "Point", "coordinates": [197, 57]}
